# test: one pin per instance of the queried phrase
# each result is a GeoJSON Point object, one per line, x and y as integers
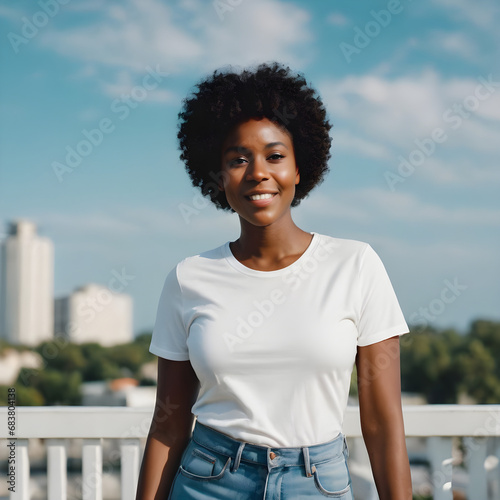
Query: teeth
{"type": "Point", "coordinates": [261, 196]}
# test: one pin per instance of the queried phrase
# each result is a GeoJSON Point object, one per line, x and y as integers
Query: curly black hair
{"type": "Point", "coordinates": [226, 99]}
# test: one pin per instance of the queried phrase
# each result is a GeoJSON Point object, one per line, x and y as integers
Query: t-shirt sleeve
{"type": "Point", "coordinates": [380, 316]}
{"type": "Point", "coordinates": [169, 333]}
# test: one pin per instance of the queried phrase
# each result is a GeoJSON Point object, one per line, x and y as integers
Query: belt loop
{"type": "Point", "coordinates": [238, 458]}
{"type": "Point", "coordinates": [307, 463]}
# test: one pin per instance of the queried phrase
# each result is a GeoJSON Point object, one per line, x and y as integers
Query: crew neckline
{"type": "Point", "coordinates": [236, 264]}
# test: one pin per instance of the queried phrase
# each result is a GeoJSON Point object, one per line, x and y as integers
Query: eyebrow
{"type": "Point", "coordinates": [241, 149]}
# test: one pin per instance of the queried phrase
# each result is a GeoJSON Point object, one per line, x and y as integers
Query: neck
{"type": "Point", "coordinates": [272, 242]}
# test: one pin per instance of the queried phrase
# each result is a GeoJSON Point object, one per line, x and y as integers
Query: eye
{"type": "Point", "coordinates": [276, 156]}
{"type": "Point", "coordinates": [237, 161]}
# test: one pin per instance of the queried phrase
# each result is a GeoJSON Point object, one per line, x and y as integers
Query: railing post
{"type": "Point", "coordinates": [92, 469]}
{"type": "Point", "coordinates": [441, 467]}
{"type": "Point", "coordinates": [56, 469]}
{"type": "Point", "coordinates": [22, 487]}
{"type": "Point", "coordinates": [130, 451]}
{"type": "Point", "coordinates": [495, 472]}
{"type": "Point", "coordinates": [475, 457]}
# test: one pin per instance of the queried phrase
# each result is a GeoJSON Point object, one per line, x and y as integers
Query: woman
{"type": "Point", "coordinates": [258, 337]}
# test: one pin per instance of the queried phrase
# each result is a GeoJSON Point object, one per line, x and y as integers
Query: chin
{"type": "Point", "coordinates": [259, 223]}
{"type": "Point", "coordinates": [262, 221]}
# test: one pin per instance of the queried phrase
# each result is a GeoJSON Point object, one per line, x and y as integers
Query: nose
{"type": "Point", "coordinates": [257, 170]}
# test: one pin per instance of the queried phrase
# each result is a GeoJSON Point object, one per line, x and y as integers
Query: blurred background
{"type": "Point", "coordinates": [388, 84]}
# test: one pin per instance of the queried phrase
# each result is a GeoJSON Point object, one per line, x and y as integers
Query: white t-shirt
{"type": "Point", "coordinates": [274, 350]}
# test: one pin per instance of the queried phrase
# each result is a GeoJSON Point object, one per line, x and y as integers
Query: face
{"type": "Point", "coordinates": [259, 173]}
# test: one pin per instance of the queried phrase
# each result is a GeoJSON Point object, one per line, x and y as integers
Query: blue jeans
{"type": "Point", "coordinates": [215, 466]}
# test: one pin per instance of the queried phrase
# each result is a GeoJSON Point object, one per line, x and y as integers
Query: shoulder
{"type": "Point", "coordinates": [204, 258]}
{"type": "Point", "coordinates": [194, 266]}
{"type": "Point", "coordinates": [342, 248]}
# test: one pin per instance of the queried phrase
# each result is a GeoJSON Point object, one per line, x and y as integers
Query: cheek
{"type": "Point", "coordinates": [287, 178]}
{"type": "Point", "coordinates": [231, 189]}
{"type": "Point", "coordinates": [230, 180]}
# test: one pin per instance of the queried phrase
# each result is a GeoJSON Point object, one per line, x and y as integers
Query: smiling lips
{"type": "Point", "coordinates": [264, 196]}
{"type": "Point", "coordinates": [261, 200]}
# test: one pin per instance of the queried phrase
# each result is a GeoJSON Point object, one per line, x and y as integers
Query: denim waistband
{"type": "Point", "coordinates": [264, 455]}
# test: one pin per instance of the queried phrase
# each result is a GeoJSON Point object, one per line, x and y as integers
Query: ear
{"type": "Point", "coordinates": [297, 176]}
{"type": "Point", "coordinates": [221, 187]}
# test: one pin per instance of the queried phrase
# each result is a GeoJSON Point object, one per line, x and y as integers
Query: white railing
{"type": "Point", "coordinates": [439, 423]}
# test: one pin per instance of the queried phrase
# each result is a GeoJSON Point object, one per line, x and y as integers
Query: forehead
{"type": "Point", "coordinates": [257, 131]}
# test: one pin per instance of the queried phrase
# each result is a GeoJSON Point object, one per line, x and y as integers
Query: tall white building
{"type": "Point", "coordinates": [26, 286]}
{"type": "Point", "coordinates": [94, 313]}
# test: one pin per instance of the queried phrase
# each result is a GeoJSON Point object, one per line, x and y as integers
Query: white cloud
{"type": "Point", "coordinates": [137, 33]}
{"type": "Point", "coordinates": [125, 82]}
{"type": "Point", "coordinates": [86, 71]}
{"type": "Point", "coordinates": [98, 224]}
{"type": "Point", "coordinates": [349, 141]}
{"type": "Point", "coordinates": [90, 114]}
{"type": "Point", "coordinates": [453, 42]}
{"type": "Point", "coordinates": [378, 204]}
{"type": "Point", "coordinates": [337, 19]}
{"type": "Point", "coordinates": [10, 14]}
{"type": "Point", "coordinates": [386, 109]}
{"type": "Point", "coordinates": [386, 117]}
{"type": "Point", "coordinates": [462, 173]}
{"type": "Point", "coordinates": [261, 30]}
{"type": "Point", "coordinates": [483, 15]}
{"type": "Point", "coordinates": [441, 172]}
{"type": "Point", "coordinates": [131, 35]}
{"type": "Point", "coordinates": [200, 219]}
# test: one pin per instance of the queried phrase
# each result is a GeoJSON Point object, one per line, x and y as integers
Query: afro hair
{"type": "Point", "coordinates": [226, 98]}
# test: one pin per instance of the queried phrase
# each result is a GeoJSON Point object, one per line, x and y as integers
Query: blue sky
{"type": "Point", "coordinates": [412, 89]}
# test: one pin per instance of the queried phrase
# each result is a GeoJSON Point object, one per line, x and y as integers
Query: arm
{"type": "Point", "coordinates": [379, 388]}
{"type": "Point", "coordinates": [170, 428]}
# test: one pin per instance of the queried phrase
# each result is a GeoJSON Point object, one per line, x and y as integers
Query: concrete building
{"type": "Point", "coordinates": [13, 360]}
{"type": "Point", "coordinates": [118, 392]}
{"type": "Point", "coordinates": [94, 313]}
{"type": "Point", "coordinates": [26, 286]}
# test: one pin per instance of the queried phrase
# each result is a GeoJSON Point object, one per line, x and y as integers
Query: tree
{"type": "Point", "coordinates": [488, 332]}
{"type": "Point", "coordinates": [98, 366]}
{"type": "Point", "coordinates": [55, 387]}
{"type": "Point", "coordinates": [478, 366]}
{"type": "Point", "coordinates": [28, 396]}
{"type": "Point", "coordinates": [66, 357]}
{"type": "Point", "coordinates": [427, 365]}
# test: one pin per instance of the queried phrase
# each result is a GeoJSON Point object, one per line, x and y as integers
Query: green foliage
{"type": "Point", "coordinates": [488, 333]}
{"type": "Point", "coordinates": [66, 365]}
{"type": "Point", "coordinates": [25, 396]}
{"type": "Point", "coordinates": [61, 356]}
{"type": "Point", "coordinates": [97, 363]}
{"type": "Point", "coordinates": [107, 363]}
{"type": "Point", "coordinates": [126, 356]}
{"type": "Point", "coordinates": [144, 339]}
{"type": "Point", "coordinates": [479, 366]}
{"type": "Point", "coordinates": [28, 396]}
{"type": "Point", "coordinates": [353, 389]}
{"type": "Point", "coordinates": [52, 386]}
{"type": "Point", "coordinates": [442, 365]}
{"type": "Point", "coordinates": [428, 365]}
